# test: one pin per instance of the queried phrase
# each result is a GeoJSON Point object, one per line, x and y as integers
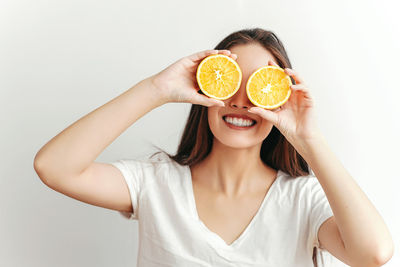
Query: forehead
{"type": "Point", "coordinates": [251, 56]}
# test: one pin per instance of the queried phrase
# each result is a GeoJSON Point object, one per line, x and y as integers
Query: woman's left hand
{"type": "Point", "coordinates": [296, 118]}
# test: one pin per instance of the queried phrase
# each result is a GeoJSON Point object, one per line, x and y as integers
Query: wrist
{"type": "Point", "coordinates": [158, 87]}
{"type": "Point", "coordinates": [154, 88]}
{"type": "Point", "coordinates": [147, 92]}
{"type": "Point", "coordinates": [308, 146]}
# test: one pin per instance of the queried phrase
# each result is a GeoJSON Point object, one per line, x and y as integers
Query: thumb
{"type": "Point", "coordinates": [206, 101]}
{"type": "Point", "coordinates": [265, 114]}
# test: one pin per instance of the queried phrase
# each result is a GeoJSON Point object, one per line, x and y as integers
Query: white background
{"type": "Point", "coordinates": [59, 60]}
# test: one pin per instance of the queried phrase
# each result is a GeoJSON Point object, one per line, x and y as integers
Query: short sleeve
{"type": "Point", "coordinates": [320, 209]}
{"type": "Point", "coordinates": [132, 174]}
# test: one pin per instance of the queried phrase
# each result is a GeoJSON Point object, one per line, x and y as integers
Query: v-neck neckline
{"type": "Point", "coordinates": [218, 240]}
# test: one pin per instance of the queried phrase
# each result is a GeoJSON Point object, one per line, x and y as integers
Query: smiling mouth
{"type": "Point", "coordinates": [239, 122]}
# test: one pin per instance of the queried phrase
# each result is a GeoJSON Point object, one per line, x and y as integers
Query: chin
{"type": "Point", "coordinates": [240, 139]}
{"type": "Point", "coordinates": [237, 129]}
{"type": "Point", "coordinates": [237, 142]}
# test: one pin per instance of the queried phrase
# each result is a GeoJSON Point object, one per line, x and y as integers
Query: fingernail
{"type": "Point", "coordinates": [254, 109]}
{"type": "Point", "coordinates": [218, 103]}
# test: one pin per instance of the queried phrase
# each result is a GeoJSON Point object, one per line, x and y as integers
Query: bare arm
{"type": "Point", "coordinates": [66, 162]}
{"type": "Point", "coordinates": [71, 151]}
{"type": "Point", "coordinates": [364, 237]}
{"type": "Point", "coordinates": [356, 234]}
{"type": "Point", "coordinates": [76, 147]}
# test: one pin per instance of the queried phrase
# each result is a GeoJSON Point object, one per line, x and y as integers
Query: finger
{"type": "Point", "coordinates": [207, 101]}
{"type": "Point", "coordinates": [277, 109]}
{"type": "Point", "coordinates": [299, 87]}
{"type": "Point", "coordinates": [272, 63]}
{"type": "Point", "coordinates": [302, 88]}
{"type": "Point", "coordinates": [225, 52]}
{"type": "Point", "coordinates": [302, 92]}
{"type": "Point", "coordinates": [265, 114]}
{"type": "Point", "coordinates": [234, 56]}
{"type": "Point", "coordinates": [295, 75]}
{"type": "Point", "coordinates": [200, 55]}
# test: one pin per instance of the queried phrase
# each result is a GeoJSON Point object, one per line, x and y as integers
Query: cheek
{"type": "Point", "coordinates": [219, 130]}
{"type": "Point", "coordinates": [213, 117]}
{"type": "Point", "coordinates": [265, 128]}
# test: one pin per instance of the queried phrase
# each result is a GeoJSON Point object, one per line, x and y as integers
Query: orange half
{"type": "Point", "coordinates": [269, 87]}
{"type": "Point", "coordinates": [219, 76]}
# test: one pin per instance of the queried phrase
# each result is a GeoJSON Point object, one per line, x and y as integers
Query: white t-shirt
{"type": "Point", "coordinates": [282, 233]}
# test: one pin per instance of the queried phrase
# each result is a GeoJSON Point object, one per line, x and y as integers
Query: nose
{"type": "Point", "coordinates": [240, 100]}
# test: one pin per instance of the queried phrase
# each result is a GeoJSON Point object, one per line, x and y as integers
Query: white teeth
{"type": "Point", "coordinates": [239, 121]}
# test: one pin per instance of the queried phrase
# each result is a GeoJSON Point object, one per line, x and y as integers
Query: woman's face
{"type": "Point", "coordinates": [253, 129]}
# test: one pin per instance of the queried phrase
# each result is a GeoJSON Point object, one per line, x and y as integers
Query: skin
{"type": "Point", "coordinates": [228, 187]}
{"type": "Point", "coordinates": [229, 173]}
{"type": "Point", "coordinates": [227, 182]}
{"type": "Point", "coordinates": [229, 170]}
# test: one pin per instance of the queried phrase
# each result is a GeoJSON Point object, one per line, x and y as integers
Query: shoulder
{"type": "Point", "coordinates": [155, 167]}
{"type": "Point", "coordinates": [161, 160]}
{"type": "Point", "coordinates": [300, 181]}
{"type": "Point", "coordinates": [155, 161]}
{"type": "Point", "coordinates": [297, 187]}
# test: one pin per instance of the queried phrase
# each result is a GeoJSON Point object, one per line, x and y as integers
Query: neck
{"type": "Point", "coordinates": [233, 171]}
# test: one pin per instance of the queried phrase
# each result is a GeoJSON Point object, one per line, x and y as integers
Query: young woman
{"type": "Point", "coordinates": [233, 195]}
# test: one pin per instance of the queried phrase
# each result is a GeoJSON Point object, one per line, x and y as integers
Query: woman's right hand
{"type": "Point", "coordinates": [177, 83]}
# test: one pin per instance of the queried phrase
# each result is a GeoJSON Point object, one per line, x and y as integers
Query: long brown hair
{"type": "Point", "coordinates": [276, 151]}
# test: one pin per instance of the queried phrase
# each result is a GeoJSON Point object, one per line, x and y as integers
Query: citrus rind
{"type": "Point", "coordinates": [204, 90]}
{"type": "Point", "coordinates": [277, 105]}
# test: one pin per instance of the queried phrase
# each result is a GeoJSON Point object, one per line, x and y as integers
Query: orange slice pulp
{"type": "Point", "coordinates": [269, 87]}
{"type": "Point", "coordinates": [219, 76]}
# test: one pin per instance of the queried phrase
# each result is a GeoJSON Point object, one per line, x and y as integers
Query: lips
{"type": "Point", "coordinates": [238, 116]}
{"type": "Point", "coordinates": [238, 121]}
